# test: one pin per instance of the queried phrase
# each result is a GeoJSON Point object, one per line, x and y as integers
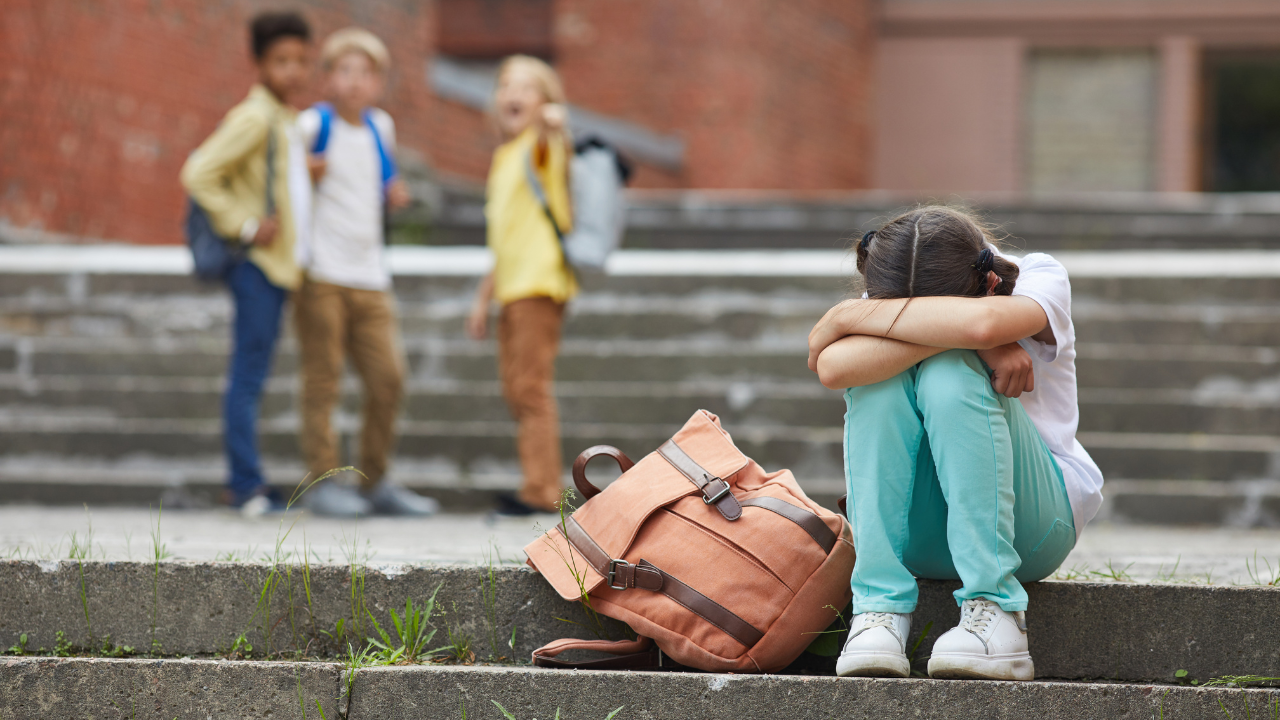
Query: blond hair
{"type": "Point", "coordinates": [354, 39]}
{"type": "Point", "coordinates": [547, 78]}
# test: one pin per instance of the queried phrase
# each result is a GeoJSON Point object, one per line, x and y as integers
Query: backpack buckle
{"type": "Point", "coordinates": [612, 575]}
{"type": "Point", "coordinates": [716, 498]}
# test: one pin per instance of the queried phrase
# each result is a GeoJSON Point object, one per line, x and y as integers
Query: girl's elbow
{"type": "Point", "coordinates": [985, 332]}
{"type": "Point", "coordinates": [830, 375]}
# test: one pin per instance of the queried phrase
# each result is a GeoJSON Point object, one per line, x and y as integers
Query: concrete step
{"type": "Point", "coordinates": [1099, 365]}
{"type": "Point", "coordinates": [603, 315]}
{"type": "Point", "coordinates": [467, 446]}
{"type": "Point", "coordinates": [38, 688]}
{"type": "Point", "coordinates": [1221, 407]}
{"type": "Point", "coordinates": [1127, 632]}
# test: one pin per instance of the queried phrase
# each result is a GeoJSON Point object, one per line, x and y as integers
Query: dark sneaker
{"type": "Point", "coordinates": [388, 499]}
{"type": "Point", "coordinates": [511, 506]}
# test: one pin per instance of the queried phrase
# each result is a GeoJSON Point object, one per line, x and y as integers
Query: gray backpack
{"type": "Point", "coordinates": [597, 176]}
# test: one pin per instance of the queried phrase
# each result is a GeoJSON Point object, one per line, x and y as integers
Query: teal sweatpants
{"type": "Point", "coordinates": [949, 480]}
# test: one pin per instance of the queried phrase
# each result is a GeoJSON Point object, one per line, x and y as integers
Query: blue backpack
{"type": "Point", "coordinates": [388, 163]}
{"type": "Point", "coordinates": [212, 255]}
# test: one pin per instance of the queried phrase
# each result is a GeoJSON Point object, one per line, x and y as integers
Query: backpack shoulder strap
{"type": "Point", "coordinates": [388, 162]}
{"type": "Point", "coordinates": [325, 111]}
{"type": "Point", "coordinates": [536, 185]}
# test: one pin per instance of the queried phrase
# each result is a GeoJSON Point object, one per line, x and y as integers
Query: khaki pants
{"type": "Point", "coordinates": [528, 339]}
{"type": "Point", "coordinates": [333, 323]}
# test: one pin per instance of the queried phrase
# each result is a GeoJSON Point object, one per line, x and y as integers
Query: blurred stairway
{"type": "Point", "coordinates": [111, 363]}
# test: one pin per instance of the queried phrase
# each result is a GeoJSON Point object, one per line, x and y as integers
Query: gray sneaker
{"type": "Point", "coordinates": [330, 499]}
{"type": "Point", "coordinates": [388, 499]}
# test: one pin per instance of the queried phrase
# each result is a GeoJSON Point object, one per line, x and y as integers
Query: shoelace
{"type": "Point", "coordinates": [977, 615]}
{"type": "Point", "coordinates": [879, 619]}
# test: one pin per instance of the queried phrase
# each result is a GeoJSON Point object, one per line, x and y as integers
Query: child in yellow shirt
{"type": "Point", "coordinates": [530, 278]}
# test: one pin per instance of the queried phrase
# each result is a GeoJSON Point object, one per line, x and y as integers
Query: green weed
{"type": "Point", "coordinates": [596, 625]}
{"type": "Point", "coordinates": [1075, 572]}
{"type": "Point", "coordinates": [20, 648]}
{"type": "Point", "coordinates": [1161, 576]}
{"type": "Point", "coordinates": [159, 551]}
{"type": "Point", "coordinates": [115, 651]}
{"type": "Point", "coordinates": [459, 648]}
{"type": "Point", "coordinates": [1112, 574]}
{"type": "Point", "coordinates": [1270, 578]}
{"type": "Point", "coordinates": [81, 551]}
{"type": "Point", "coordinates": [911, 659]}
{"type": "Point", "coordinates": [241, 647]}
{"type": "Point", "coordinates": [413, 630]}
{"type": "Point", "coordinates": [489, 595]}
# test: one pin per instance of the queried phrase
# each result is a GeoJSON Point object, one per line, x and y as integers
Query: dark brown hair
{"type": "Point", "coordinates": [268, 27]}
{"type": "Point", "coordinates": [932, 251]}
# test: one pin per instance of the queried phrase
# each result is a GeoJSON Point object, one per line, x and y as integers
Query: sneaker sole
{"type": "Point", "coordinates": [873, 665]}
{"type": "Point", "coordinates": [948, 666]}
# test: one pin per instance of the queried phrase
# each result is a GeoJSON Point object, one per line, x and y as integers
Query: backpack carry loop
{"type": "Point", "coordinates": [580, 467]}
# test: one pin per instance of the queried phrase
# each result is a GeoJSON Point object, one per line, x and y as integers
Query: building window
{"type": "Point", "coordinates": [1091, 120]}
{"type": "Point", "coordinates": [492, 29]}
{"type": "Point", "coordinates": [1242, 122]}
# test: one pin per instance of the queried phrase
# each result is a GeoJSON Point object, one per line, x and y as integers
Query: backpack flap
{"type": "Point", "coordinates": [613, 519]}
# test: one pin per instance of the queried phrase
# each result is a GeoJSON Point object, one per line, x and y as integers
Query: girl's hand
{"type": "Point", "coordinates": [1011, 373]}
{"type": "Point", "coordinates": [478, 321]}
{"type": "Point", "coordinates": [828, 330]}
{"type": "Point", "coordinates": [553, 116]}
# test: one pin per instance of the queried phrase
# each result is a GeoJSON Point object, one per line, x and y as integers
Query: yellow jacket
{"type": "Point", "coordinates": [227, 177]}
{"type": "Point", "coordinates": [527, 259]}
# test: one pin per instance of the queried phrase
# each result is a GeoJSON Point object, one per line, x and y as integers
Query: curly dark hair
{"type": "Point", "coordinates": [268, 27]}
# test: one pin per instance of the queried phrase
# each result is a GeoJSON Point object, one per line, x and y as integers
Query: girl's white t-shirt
{"type": "Point", "coordinates": [346, 230]}
{"type": "Point", "coordinates": [1053, 406]}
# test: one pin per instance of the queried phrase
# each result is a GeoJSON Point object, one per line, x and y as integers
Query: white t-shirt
{"type": "Point", "coordinates": [346, 230]}
{"type": "Point", "coordinates": [1053, 406]}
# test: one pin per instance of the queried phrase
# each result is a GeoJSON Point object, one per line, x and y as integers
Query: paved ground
{"type": "Point", "coordinates": [1106, 551]}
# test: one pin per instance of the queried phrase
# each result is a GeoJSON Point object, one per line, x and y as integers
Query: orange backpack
{"type": "Point", "coordinates": [699, 550]}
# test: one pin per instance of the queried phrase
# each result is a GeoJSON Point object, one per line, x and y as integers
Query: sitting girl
{"type": "Point", "coordinates": [949, 475]}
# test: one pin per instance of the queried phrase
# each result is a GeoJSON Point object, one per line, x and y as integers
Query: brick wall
{"type": "Point", "coordinates": [100, 102]}
{"type": "Point", "coordinates": [766, 93]}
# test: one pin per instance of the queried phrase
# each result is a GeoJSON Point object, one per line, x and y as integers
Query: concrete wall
{"type": "Point", "coordinates": [974, 57]}
{"type": "Point", "coordinates": [948, 114]}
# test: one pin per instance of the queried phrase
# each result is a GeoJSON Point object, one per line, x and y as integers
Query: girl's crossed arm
{"type": "Point", "coordinates": [861, 342]}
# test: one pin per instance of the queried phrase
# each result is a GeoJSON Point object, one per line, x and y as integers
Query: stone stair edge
{"type": "Point", "coordinates": [40, 687]}
{"type": "Point", "coordinates": [1079, 630]}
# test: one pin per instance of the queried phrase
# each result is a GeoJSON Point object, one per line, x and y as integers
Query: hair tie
{"type": "Point", "coordinates": [866, 240]}
{"type": "Point", "coordinates": [986, 262]}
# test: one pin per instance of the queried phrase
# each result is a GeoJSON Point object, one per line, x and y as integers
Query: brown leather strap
{"type": "Point", "coordinates": [638, 654]}
{"type": "Point", "coordinates": [714, 490]}
{"type": "Point", "coordinates": [580, 467]}
{"type": "Point", "coordinates": [811, 523]}
{"type": "Point", "coordinates": [705, 607]}
{"type": "Point", "coordinates": [622, 575]}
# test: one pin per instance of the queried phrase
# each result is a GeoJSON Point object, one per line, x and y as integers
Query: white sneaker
{"type": "Point", "coordinates": [877, 646]}
{"type": "Point", "coordinates": [988, 644]}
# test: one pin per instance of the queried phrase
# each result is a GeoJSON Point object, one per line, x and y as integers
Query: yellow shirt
{"type": "Point", "coordinates": [227, 176]}
{"type": "Point", "coordinates": [527, 259]}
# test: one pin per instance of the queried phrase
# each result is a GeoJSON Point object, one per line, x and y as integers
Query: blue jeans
{"type": "Point", "coordinates": [949, 480]}
{"type": "Point", "coordinates": [258, 308]}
